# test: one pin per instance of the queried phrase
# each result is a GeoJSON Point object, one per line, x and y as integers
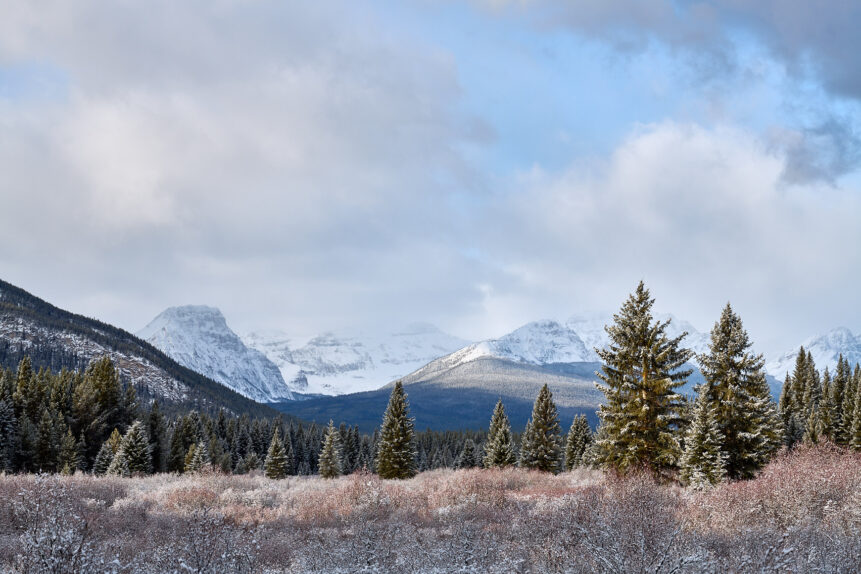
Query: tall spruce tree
{"type": "Point", "coordinates": [8, 435]}
{"type": "Point", "coordinates": [540, 448]}
{"type": "Point", "coordinates": [67, 460]}
{"type": "Point", "coordinates": [137, 450]}
{"type": "Point", "coordinates": [578, 440]}
{"type": "Point", "coordinates": [103, 459]}
{"type": "Point", "coordinates": [499, 448]}
{"type": "Point", "coordinates": [468, 457]}
{"type": "Point", "coordinates": [642, 367]}
{"type": "Point", "coordinates": [704, 460]}
{"type": "Point", "coordinates": [329, 464]}
{"type": "Point", "coordinates": [738, 393]}
{"type": "Point", "coordinates": [396, 453]}
{"type": "Point", "coordinates": [275, 465]}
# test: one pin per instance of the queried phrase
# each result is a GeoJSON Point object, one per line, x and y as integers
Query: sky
{"type": "Point", "coordinates": [314, 166]}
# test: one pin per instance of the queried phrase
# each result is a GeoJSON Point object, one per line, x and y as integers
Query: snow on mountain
{"type": "Point", "coordinates": [334, 364]}
{"type": "Point", "coordinates": [198, 337]}
{"type": "Point", "coordinates": [825, 350]}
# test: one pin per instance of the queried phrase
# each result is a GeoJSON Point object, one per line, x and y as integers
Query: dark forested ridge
{"type": "Point", "coordinates": [56, 339]}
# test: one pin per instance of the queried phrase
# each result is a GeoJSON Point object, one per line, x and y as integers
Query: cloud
{"type": "Point", "coordinates": [703, 215]}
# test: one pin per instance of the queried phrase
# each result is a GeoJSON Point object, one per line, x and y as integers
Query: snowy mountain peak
{"type": "Point", "coordinates": [825, 349]}
{"type": "Point", "coordinates": [198, 337]}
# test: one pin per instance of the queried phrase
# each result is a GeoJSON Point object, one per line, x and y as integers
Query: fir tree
{"type": "Point", "coordinates": [136, 449]}
{"type": "Point", "coordinates": [156, 433]}
{"type": "Point", "coordinates": [704, 461]}
{"type": "Point", "coordinates": [641, 369]}
{"type": "Point", "coordinates": [468, 457]}
{"type": "Point", "coordinates": [67, 462]}
{"type": "Point", "coordinates": [499, 448]}
{"type": "Point", "coordinates": [540, 449]}
{"type": "Point", "coordinates": [855, 436]}
{"type": "Point", "coordinates": [578, 440]}
{"type": "Point", "coordinates": [8, 435]}
{"type": "Point", "coordinates": [119, 465]}
{"type": "Point", "coordinates": [737, 389]}
{"type": "Point", "coordinates": [396, 454]}
{"type": "Point", "coordinates": [330, 457]}
{"type": "Point", "coordinates": [275, 466]}
{"type": "Point", "coordinates": [200, 458]}
{"type": "Point", "coordinates": [103, 459]}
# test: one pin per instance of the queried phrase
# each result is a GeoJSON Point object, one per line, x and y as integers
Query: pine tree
{"type": "Point", "coordinates": [704, 461]}
{"type": "Point", "coordinates": [738, 393]}
{"type": "Point", "coordinates": [103, 459]}
{"type": "Point", "coordinates": [578, 440]}
{"type": "Point", "coordinates": [200, 458]}
{"type": "Point", "coordinates": [8, 435]}
{"type": "Point", "coordinates": [848, 418]}
{"type": "Point", "coordinates": [499, 448]}
{"type": "Point", "coordinates": [540, 449]}
{"type": "Point", "coordinates": [136, 449]}
{"type": "Point", "coordinates": [119, 465]}
{"type": "Point", "coordinates": [275, 466]}
{"type": "Point", "coordinates": [156, 432]}
{"type": "Point", "coordinates": [67, 462]}
{"type": "Point", "coordinates": [330, 457]}
{"type": "Point", "coordinates": [468, 457]}
{"type": "Point", "coordinates": [855, 437]}
{"type": "Point", "coordinates": [396, 454]}
{"type": "Point", "coordinates": [641, 369]}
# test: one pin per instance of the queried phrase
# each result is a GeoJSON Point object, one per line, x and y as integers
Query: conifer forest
{"type": "Point", "coordinates": [725, 479]}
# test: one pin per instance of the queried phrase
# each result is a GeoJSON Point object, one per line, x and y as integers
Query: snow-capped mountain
{"type": "Point", "coordinates": [198, 337]}
{"type": "Point", "coordinates": [549, 342]}
{"type": "Point", "coordinates": [334, 364]}
{"type": "Point", "coordinates": [825, 350]}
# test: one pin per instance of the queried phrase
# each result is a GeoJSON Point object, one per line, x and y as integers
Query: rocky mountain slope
{"type": "Point", "coordinates": [825, 350]}
{"type": "Point", "coordinates": [54, 338]}
{"type": "Point", "coordinates": [198, 337]}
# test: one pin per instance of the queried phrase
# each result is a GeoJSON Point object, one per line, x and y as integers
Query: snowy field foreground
{"type": "Point", "coordinates": [803, 514]}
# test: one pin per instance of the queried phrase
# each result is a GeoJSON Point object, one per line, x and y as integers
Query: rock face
{"type": "Point", "coordinates": [198, 337]}
{"type": "Point", "coordinates": [825, 350]}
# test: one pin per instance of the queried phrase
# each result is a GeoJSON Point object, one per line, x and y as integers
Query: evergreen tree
{"type": "Point", "coordinates": [704, 460]}
{"type": "Point", "coordinates": [330, 457]}
{"type": "Point", "coordinates": [119, 465]}
{"type": "Point", "coordinates": [156, 432]}
{"type": "Point", "coordinates": [578, 440]}
{"type": "Point", "coordinates": [540, 448]}
{"type": "Point", "coordinates": [46, 441]}
{"type": "Point", "coordinates": [8, 435]}
{"type": "Point", "coordinates": [396, 454]}
{"type": "Point", "coordinates": [855, 437]}
{"type": "Point", "coordinates": [275, 466]}
{"type": "Point", "coordinates": [67, 461]}
{"type": "Point", "coordinates": [848, 418]}
{"type": "Point", "coordinates": [136, 449]}
{"type": "Point", "coordinates": [468, 457]}
{"type": "Point", "coordinates": [499, 448]}
{"type": "Point", "coordinates": [641, 369]}
{"type": "Point", "coordinates": [103, 459]}
{"type": "Point", "coordinates": [738, 393]}
{"type": "Point", "coordinates": [199, 459]}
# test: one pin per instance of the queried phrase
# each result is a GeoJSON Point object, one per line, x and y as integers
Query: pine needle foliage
{"type": "Point", "coordinates": [499, 449]}
{"type": "Point", "coordinates": [329, 464]}
{"type": "Point", "coordinates": [704, 461]}
{"type": "Point", "coordinates": [642, 367]}
{"type": "Point", "coordinates": [738, 393]}
{"type": "Point", "coordinates": [275, 466]}
{"type": "Point", "coordinates": [540, 448]}
{"type": "Point", "coordinates": [578, 440]}
{"type": "Point", "coordinates": [396, 452]}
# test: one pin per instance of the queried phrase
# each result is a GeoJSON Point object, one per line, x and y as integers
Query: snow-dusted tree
{"type": "Point", "coordinates": [738, 392]}
{"type": "Point", "coordinates": [8, 434]}
{"type": "Point", "coordinates": [67, 460]}
{"type": "Point", "coordinates": [329, 463]}
{"type": "Point", "coordinates": [396, 452]}
{"type": "Point", "coordinates": [119, 465]}
{"type": "Point", "coordinates": [849, 409]}
{"type": "Point", "coordinates": [855, 437]}
{"type": "Point", "coordinates": [642, 367]}
{"type": "Point", "coordinates": [704, 461]}
{"type": "Point", "coordinates": [199, 458]}
{"type": "Point", "coordinates": [499, 448]}
{"type": "Point", "coordinates": [468, 457]}
{"type": "Point", "coordinates": [137, 450]}
{"type": "Point", "coordinates": [275, 465]}
{"type": "Point", "coordinates": [578, 440]}
{"type": "Point", "coordinates": [103, 459]}
{"type": "Point", "coordinates": [540, 448]}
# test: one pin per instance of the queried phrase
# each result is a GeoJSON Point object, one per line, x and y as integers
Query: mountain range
{"type": "Point", "coordinates": [54, 339]}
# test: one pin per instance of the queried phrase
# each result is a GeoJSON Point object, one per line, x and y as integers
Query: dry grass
{"type": "Point", "coordinates": [803, 514]}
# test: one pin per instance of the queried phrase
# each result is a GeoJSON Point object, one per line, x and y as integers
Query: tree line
{"type": "Point", "coordinates": [89, 421]}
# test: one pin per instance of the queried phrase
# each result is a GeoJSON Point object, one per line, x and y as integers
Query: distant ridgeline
{"type": "Point", "coordinates": [54, 339]}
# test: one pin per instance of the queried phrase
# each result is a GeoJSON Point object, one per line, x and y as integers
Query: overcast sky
{"type": "Point", "coordinates": [309, 166]}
